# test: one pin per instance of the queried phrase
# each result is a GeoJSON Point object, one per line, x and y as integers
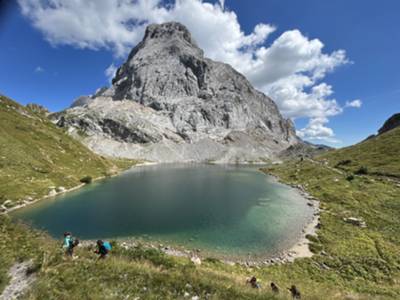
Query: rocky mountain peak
{"type": "Point", "coordinates": [171, 31]}
{"type": "Point", "coordinates": [168, 95]}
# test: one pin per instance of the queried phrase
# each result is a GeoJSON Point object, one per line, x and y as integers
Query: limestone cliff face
{"type": "Point", "coordinates": [168, 102]}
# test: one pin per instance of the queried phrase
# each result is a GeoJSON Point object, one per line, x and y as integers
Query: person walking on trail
{"type": "Point", "coordinates": [103, 248]}
{"type": "Point", "coordinates": [274, 288]}
{"type": "Point", "coordinates": [295, 292]}
{"type": "Point", "coordinates": [254, 283]}
{"type": "Point", "coordinates": [69, 244]}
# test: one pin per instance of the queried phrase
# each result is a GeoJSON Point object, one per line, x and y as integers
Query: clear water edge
{"type": "Point", "coordinates": [234, 212]}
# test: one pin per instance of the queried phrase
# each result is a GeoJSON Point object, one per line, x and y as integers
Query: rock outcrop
{"type": "Point", "coordinates": [169, 103]}
{"type": "Point", "coordinates": [391, 123]}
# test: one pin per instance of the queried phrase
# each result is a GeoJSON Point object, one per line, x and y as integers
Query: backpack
{"type": "Point", "coordinates": [73, 242]}
{"type": "Point", "coordinates": [107, 245]}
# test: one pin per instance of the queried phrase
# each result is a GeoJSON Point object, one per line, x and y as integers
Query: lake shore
{"type": "Point", "coordinates": [298, 249]}
{"type": "Point", "coordinates": [64, 191]}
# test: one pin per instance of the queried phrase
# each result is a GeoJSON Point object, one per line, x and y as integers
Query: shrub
{"type": "Point", "coordinates": [155, 256]}
{"type": "Point", "coordinates": [315, 248]}
{"type": "Point", "coordinates": [212, 260]}
{"type": "Point", "coordinates": [361, 171]}
{"type": "Point", "coordinates": [86, 179]}
{"type": "Point", "coordinates": [312, 238]}
{"type": "Point", "coordinates": [344, 162]}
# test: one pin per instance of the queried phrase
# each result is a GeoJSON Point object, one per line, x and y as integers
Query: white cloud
{"type": "Point", "coordinates": [355, 103]}
{"type": "Point", "coordinates": [222, 3]}
{"type": "Point", "coordinates": [39, 69]}
{"type": "Point", "coordinates": [317, 131]}
{"type": "Point", "coordinates": [110, 71]}
{"type": "Point", "coordinates": [290, 69]}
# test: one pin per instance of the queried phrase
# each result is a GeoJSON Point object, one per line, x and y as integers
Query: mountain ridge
{"type": "Point", "coordinates": [171, 104]}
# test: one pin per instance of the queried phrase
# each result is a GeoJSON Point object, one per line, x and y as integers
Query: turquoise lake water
{"type": "Point", "coordinates": [229, 211]}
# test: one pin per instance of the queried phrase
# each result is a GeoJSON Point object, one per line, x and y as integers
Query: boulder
{"type": "Point", "coordinates": [8, 203]}
{"type": "Point", "coordinates": [60, 189]}
{"type": "Point", "coordinates": [196, 260]}
{"type": "Point", "coordinates": [52, 192]}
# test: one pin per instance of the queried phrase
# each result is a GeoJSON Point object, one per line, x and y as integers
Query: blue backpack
{"type": "Point", "coordinates": [107, 245]}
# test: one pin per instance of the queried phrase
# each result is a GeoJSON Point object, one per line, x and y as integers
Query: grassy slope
{"type": "Point", "coordinates": [361, 263]}
{"type": "Point", "coordinates": [380, 155]}
{"type": "Point", "coordinates": [139, 272]}
{"type": "Point", "coordinates": [362, 260]}
{"type": "Point", "coordinates": [36, 155]}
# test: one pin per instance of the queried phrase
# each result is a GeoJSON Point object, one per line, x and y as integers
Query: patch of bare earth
{"type": "Point", "coordinates": [21, 280]}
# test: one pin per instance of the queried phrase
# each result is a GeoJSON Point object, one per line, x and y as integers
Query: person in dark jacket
{"type": "Point", "coordinates": [254, 283]}
{"type": "Point", "coordinates": [274, 288]}
{"type": "Point", "coordinates": [295, 292]}
{"type": "Point", "coordinates": [102, 249]}
{"type": "Point", "coordinates": [69, 243]}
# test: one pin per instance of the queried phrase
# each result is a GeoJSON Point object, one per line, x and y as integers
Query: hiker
{"type": "Point", "coordinates": [69, 243]}
{"type": "Point", "coordinates": [253, 282]}
{"type": "Point", "coordinates": [295, 292]}
{"type": "Point", "coordinates": [103, 248]}
{"type": "Point", "coordinates": [274, 288]}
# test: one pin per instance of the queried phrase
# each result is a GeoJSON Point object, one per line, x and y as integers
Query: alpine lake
{"type": "Point", "coordinates": [225, 211]}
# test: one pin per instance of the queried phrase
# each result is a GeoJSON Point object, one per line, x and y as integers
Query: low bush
{"type": "Point", "coordinates": [362, 171]}
{"type": "Point", "coordinates": [155, 256]}
{"type": "Point", "coordinates": [86, 179]}
{"type": "Point", "coordinates": [344, 162]}
{"type": "Point", "coordinates": [312, 238]}
{"type": "Point", "coordinates": [315, 248]}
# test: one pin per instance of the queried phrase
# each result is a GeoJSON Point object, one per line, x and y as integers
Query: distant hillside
{"type": "Point", "coordinates": [37, 156]}
{"type": "Point", "coordinates": [379, 155]}
{"type": "Point", "coordinates": [304, 149]}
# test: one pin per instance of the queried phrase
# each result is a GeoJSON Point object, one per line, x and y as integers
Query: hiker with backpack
{"type": "Point", "coordinates": [69, 243]}
{"type": "Point", "coordinates": [103, 247]}
{"type": "Point", "coordinates": [254, 283]}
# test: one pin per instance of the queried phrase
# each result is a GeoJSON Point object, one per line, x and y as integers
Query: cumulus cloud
{"type": "Point", "coordinates": [317, 131]}
{"type": "Point", "coordinates": [290, 69]}
{"type": "Point", "coordinates": [110, 72]}
{"type": "Point", "coordinates": [355, 103]}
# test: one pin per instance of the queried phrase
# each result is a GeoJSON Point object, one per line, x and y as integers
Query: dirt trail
{"type": "Point", "coordinates": [20, 281]}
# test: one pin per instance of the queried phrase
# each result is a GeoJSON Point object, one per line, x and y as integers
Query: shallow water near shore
{"type": "Point", "coordinates": [225, 211]}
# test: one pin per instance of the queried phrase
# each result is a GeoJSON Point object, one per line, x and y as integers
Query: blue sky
{"type": "Point", "coordinates": [40, 64]}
